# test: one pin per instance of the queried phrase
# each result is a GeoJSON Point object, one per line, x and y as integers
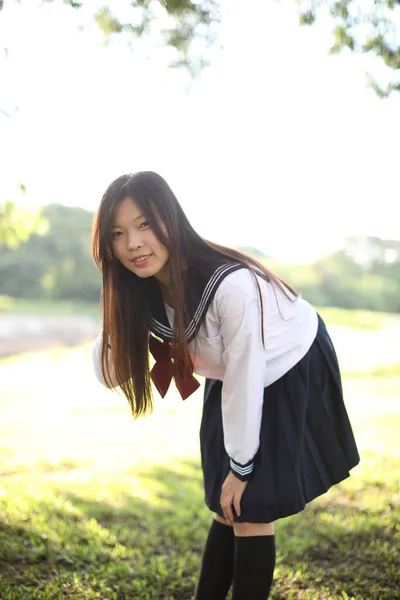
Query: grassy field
{"type": "Point", "coordinates": [95, 505]}
{"type": "Point", "coordinates": [27, 306]}
{"type": "Point", "coordinates": [358, 319]}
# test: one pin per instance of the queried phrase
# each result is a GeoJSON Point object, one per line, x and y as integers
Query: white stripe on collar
{"type": "Point", "coordinates": [191, 329]}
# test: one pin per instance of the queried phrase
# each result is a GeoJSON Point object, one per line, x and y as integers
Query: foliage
{"type": "Point", "coordinates": [364, 274]}
{"type": "Point", "coordinates": [188, 27]}
{"type": "Point", "coordinates": [365, 27]}
{"type": "Point", "coordinates": [57, 265]}
{"type": "Point", "coordinates": [18, 223]}
{"type": "Point", "coordinates": [94, 505]}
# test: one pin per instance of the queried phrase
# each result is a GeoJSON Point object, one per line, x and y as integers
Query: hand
{"type": "Point", "coordinates": [232, 492]}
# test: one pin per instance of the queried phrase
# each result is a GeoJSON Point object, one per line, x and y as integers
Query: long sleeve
{"type": "Point", "coordinates": [244, 359]}
{"type": "Point", "coordinates": [96, 357]}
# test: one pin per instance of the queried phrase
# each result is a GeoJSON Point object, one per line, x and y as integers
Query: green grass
{"type": "Point", "coordinates": [357, 319]}
{"type": "Point", "coordinates": [95, 505]}
{"type": "Point", "coordinates": [27, 306]}
{"type": "Point", "coordinates": [383, 371]}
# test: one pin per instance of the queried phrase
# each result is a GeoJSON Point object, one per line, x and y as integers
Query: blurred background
{"type": "Point", "coordinates": [276, 123]}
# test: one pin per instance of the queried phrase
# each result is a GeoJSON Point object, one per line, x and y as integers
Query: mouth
{"type": "Point", "coordinates": [141, 260]}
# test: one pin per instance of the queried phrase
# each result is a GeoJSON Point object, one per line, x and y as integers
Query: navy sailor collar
{"type": "Point", "coordinates": [200, 293]}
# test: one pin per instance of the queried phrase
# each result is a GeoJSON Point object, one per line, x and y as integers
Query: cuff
{"type": "Point", "coordinates": [242, 472]}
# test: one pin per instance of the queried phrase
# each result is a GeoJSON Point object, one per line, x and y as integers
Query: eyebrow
{"type": "Point", "coordinates": [135, 219]}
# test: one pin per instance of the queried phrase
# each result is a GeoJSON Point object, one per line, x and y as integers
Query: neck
{"type": "Point", "coordinates": [163, 277]}
{"type": "Point", "coordinates": [165, 286]}
{"type": "Point", "coordinates": [167, 295]}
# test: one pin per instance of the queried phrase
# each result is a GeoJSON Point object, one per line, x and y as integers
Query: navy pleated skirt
{"type": "Point", "coordinates": [306, 441]}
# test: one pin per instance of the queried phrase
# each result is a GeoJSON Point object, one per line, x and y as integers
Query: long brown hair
{"type": "Point", "coordinates": [125, 297]}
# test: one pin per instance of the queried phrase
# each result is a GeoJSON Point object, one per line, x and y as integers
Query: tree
{"type": "Point", "coordinates": [18, 223]}
{"type": "Point", "coordinates": [190, 27]}
{"type": "Point", "coordinates": [178, 24]}
{"type": "Point", "coordinates": [57, 264]}
{"type": "Point", "coordinates": [370, 26]}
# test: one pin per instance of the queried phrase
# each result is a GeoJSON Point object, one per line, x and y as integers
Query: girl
{"type": "Point", "coordinates": [275, 432]}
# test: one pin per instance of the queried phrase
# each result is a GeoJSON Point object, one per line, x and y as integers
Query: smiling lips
{"type": "Point", "coordinates": [140, 261]}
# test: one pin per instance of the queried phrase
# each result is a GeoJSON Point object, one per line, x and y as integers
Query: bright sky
{"type": "Point", "coordinates": [277, 145]}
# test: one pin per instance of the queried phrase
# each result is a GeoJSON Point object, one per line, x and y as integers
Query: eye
{"type": "Point", "coordinates": [144, 225]}
{"type": "Point", "coordinates": [116, 234]}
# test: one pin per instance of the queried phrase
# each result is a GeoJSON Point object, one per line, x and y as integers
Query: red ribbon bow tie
{"type": "Point", "coordinates": [161, 373]}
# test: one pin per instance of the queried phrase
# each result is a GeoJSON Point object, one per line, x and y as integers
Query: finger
{"type": "Point", "coordinates": [224, 506]}
{"type": "Point", "coordinates": [226, 516]}
{"type": "Point", "coordinates": [228, 510]}
{"type": "Point", "coordinates": [236, 504]}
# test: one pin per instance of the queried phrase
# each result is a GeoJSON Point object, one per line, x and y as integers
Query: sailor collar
{"type": "Point", "coordinates": [200, 293]}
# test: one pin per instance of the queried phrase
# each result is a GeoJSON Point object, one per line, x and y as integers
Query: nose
{"type": "Point", "coordinates": [135, 240]}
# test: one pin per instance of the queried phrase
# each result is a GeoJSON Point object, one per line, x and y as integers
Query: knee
{"type": "Point", "coordinates": [253, 529]}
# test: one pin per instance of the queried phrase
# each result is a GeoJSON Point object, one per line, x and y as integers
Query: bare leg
{"type": "Point", "coordinates": [251, 529]}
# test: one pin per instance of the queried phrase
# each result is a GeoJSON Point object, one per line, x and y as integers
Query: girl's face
{"type": "Point", "coordinates": [135, 244]}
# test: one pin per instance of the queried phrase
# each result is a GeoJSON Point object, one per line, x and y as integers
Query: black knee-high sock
{"type": "Point", "coordinates": [217, 564]}
{"type": "Point", "coordinates": [253, 567]}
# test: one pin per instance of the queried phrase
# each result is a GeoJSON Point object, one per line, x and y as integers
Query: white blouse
{"type": "Point", "coordinates": [229, 347]}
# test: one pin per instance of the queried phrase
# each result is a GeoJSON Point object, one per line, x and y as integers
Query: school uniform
{"type": "Point", "coordinates": [273, 412]}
